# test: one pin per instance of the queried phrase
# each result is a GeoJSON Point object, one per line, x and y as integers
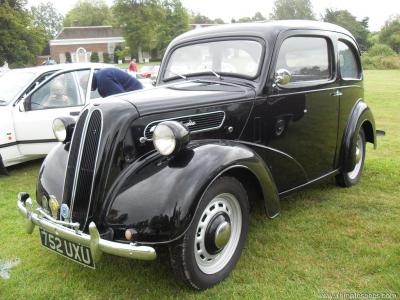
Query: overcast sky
{"type": "Point", "coordinates": [378, 11]}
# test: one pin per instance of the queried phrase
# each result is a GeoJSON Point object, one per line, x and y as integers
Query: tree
{"type": "Point", "coordinates": [14, 4]}
{"type": "Point", "coordinates": [258, 17]}
{"type": "Point", "coordinates": [94, 57]}
{"type": "Point", "coordinates": [345, 19]}
{"type": "Point", "coordinates": [149, 25]}
{"type": "Point", "coordinates": [89, 13]}
{"type": "Point", "coordinates": [200, 19]}
{"type": "Point", "coordinates": [175, 21]}
{"type": "Point", "coordinates": [292, 9]}
{"type": "Point", "coordinates": [46, 16]}
{"type": "Point", "coordinates": [390, 33]}
{"type": "Point", "coordinates": [20, 41]}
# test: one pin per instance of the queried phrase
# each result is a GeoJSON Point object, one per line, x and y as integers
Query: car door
{"type": "Point", "coordinates": [63, 94]}
{"type": "Point", "coordinates": [302, 115]}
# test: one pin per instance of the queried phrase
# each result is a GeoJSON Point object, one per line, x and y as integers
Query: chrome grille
{"type": "Point", "coordinates": [195, 123]}
{"type": "Point", "coordinates": [73, 158]}
{"type": "Point", "coordinates": [85, 162]}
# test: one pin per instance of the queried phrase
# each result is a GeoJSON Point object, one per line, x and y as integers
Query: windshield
{"type": "Point", "coordinates": [12, 82]}
{"type": "Point", "coordinates": [233, 57]}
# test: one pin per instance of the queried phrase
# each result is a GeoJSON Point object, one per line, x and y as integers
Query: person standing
{"type": "Point", "coordinates": [111, 81]}
{"type": "Point", "coordinates": [132, 69]}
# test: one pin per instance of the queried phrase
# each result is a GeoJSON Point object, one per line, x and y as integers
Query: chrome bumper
{"type": "Point", "coordinates": [92, 240]}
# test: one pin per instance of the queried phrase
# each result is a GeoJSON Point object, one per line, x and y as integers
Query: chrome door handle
{"type": "Point", "coordinates": [337, 93]}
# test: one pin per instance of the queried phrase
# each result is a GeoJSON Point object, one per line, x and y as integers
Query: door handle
{"type": "Point", "coordinates": [74, 113]}
{"type": "Point", "coordinates": [337, 93]}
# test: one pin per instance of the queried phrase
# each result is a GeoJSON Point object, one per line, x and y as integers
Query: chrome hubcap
{"type": "Point", "coordinates": [359, 158]}
{"type": "Point", "coordinates": [218, 233]}
{"type": "Point", "coordinates": [222, 235]}
{"type": "Point", "coordinates": [358, 154]}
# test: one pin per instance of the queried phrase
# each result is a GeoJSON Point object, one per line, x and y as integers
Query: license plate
{"type": "Point", "coordinates": [78, 253]}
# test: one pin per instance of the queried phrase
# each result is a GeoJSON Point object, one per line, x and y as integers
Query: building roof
{"type": "Point", "coordinates": [88, 32]}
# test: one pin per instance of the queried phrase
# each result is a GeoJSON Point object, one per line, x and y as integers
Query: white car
{"type": "Point", "coordinates": [31, 98]}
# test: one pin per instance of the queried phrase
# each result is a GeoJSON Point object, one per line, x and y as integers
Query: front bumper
{"type": "Point", "coordinates": [92, 240]}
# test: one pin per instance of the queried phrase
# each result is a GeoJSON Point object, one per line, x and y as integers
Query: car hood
{"type": "Point", "coordinates": [186, 95]}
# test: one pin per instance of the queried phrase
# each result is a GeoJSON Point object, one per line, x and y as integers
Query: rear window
{"type": "Point", "coordinates": [306, 58]}
{"type": "Point", "coordinates": [349, 66]}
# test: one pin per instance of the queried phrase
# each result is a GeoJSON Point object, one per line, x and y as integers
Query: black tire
{"type": "Point", "coordinates": [348, 179]}
{"type": "Point", "coordinates": [188, 265]}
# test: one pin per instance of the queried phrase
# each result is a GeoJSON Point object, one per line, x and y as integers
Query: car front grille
{"type": "Point", "coordinates": [84, 163]}
{"type": "Point", "coordinates": [73, 157]}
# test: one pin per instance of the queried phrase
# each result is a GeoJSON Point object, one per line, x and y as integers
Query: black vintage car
{"type": "Point", "coordinates": [241, 113]}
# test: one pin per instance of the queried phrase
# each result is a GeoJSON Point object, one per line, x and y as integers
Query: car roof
{"type": "Point", "coordinates": [264, 30]}
{"type": "Point", "coordinates": [48, 68]}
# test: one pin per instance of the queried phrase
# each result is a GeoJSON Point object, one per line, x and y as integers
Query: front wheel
{"type": "Point", "coordinates": [348, 179]}
{"type": "Point", "coordinates": [212, 245]}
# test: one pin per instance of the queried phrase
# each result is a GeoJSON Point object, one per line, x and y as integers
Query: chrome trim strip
{"type": "Point", "coordinates": [97, 245]}
{"type": "Point", "coordinates": [314, 91]}
{"type": "Point", "coordinates": [286, 192]}
{"type": "Point", "coordinates": [69, 153]}
{"type": "Point", "coordinates": [78, 160]}
{"type": "Point", "coordinates": [189, 116]}
{"type": "Point", "coordinates": [95, 166]}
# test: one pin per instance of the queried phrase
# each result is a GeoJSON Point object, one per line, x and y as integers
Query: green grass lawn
{"type": "Point", "coordinates": [327, 239]}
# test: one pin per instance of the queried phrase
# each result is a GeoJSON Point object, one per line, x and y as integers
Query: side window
{"type": "Point", "coordinates": [63, 90]}
{"type": "Point", "coordinates": [349, 67]}
{"type": "Point", "coordinates": [306, 58]}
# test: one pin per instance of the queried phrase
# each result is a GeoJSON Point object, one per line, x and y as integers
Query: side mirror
{"type": "Point", "coordinates": [282, 77]}
{"type": "Point", "coordinates": [23, 105]}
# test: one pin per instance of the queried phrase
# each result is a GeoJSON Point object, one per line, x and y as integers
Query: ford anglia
{"type": "Point", "coordinates": [241, 113]}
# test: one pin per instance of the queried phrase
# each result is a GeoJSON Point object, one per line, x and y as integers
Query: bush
{"type": "Point", "coordinates": [106, 58]}
{"type": "Point", "coordinates": [116, 51]}
{"type": "Point", "coordinates": [68, 57]}
{"type": "Point", "coordinates": [381, 50]}
{"type": "Point", "coordinates": [380, 62]}
{"type": "Point", "coordinates": [94, 57]}
{"type": "Point", "coordinates": [381, 57]}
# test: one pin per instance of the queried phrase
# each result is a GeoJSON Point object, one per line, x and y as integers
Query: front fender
{"type": "Point", "coordinates": [361, 116]}
{"type": "Point", "coordinates": [158, 197]}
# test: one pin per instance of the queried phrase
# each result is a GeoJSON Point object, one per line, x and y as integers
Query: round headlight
{"type": "Point", "coordinates": [170, 137]}
{"type": "Point", "coordinates": [59, 129]}
{"type": "Point", "coordinates": [164, 139]}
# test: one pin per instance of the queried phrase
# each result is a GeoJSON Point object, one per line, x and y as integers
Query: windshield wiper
{"type": "Point", "coordinates": [2, 102]}
{"type": "Point", "coordinates": [177, 74]}
{"type": "Point", "coordinates": [213, 72]}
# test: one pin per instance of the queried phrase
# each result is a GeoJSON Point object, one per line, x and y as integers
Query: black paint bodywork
{"type": "Point", "coordinates": [135, 187]}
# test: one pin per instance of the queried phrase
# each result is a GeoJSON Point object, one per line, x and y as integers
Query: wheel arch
{"type": "Point", "coordinates": [360, 117]}
{"type": "Point", "coordinates": [160, 198]}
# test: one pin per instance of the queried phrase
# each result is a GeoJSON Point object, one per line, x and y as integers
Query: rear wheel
{"type": "Point", "coordinates": [348, 179]}
{"type": "Point", "coordinates": [212, 245]}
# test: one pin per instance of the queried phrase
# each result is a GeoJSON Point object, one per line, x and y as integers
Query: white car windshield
{"type": "Point", "coordinates": [12, 82]}
{"type": "Point", "coordinates": [233, 57]}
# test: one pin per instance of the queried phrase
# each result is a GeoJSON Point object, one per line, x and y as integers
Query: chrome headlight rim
{"type": "Point", "coordinates": [170, 137]}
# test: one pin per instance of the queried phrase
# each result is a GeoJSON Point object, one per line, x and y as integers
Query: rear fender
{"type": "Point", "coordinates": [361, 116]}
{"type": "Point", "coordinates": [158, 197]}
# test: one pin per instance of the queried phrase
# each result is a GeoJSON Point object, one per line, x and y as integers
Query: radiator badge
{"type": "Point", "coordinates": [64, 211]}
{"type": "Point", "coordinates": [54, 206]}
{"type": "Point", "coordinates": [190, 123]}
